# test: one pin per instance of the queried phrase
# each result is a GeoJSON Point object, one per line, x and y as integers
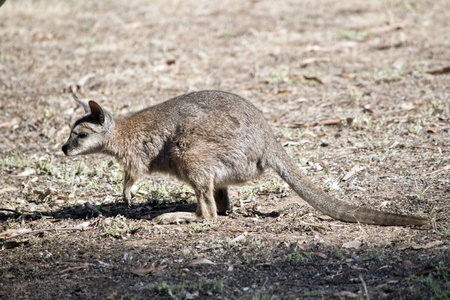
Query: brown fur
{"type": "Point", "coordinates": [208, 139]}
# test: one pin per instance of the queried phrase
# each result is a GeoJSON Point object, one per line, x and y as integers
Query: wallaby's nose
{"type": "Point", "coordinates": [64, 149]}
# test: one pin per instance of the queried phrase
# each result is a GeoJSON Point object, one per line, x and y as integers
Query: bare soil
{"type": "Point", "coordinates": [357, 91]}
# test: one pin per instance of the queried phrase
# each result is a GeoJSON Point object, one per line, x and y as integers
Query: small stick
{"type": "Point", "coordinates": [92, 208]}
{"type": "Point", "coordinates": [74, 268]}
{"type": "Point", "coordinates": [78, 228]}
{"type": "Point", "coordinates": [11, 210]}
{"type": "Point", "coordinates": [364, 286]}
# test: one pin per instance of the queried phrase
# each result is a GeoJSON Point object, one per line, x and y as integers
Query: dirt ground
{"type": "Point", "coordinates": [356, 91]}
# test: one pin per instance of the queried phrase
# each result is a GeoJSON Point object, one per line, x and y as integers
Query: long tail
{"type": "Point", "coordinates": [337, 209]}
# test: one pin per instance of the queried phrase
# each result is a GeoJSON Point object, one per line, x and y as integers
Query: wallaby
{"type": "Point", "coordinates": [208, 139]}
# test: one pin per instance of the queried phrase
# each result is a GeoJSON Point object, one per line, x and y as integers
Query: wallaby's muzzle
{"type": "Point", "coordinates": [64, 149]}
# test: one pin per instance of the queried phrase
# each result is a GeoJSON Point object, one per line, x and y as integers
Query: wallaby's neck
{"type": "Point", "coordinates": [128, 138]}
{"type": "Point", "coordinates": [119, 143]}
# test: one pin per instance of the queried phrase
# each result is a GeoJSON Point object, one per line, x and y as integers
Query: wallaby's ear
{"type": "Point", "coordinates": [84, 105]}
{"type": "Point", "coordinates": [97, 112]}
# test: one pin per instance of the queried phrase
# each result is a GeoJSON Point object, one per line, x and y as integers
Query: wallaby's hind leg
{"type": "Point", "coordinates": [222, 200]}
{"type": "Point", "coordinates": [206, 208]}
{"type": "Point", "coordinates": [206, 204]}
{"type": "Point", "coordinates": [128, 184]}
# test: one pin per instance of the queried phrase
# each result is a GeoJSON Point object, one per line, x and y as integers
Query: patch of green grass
{"type": "Point", "coordinates": [202, 226]}
{"type": "Point", "coordinates": [163, 194]}
{"type": "Point", "coordinates": [291, 133]}
{"type": "Point", "coordinates": [15, 160]}
{"type": "Point", "coordinates": [438, 283]}
{"type": "Point", "coordinates": [118, 227]}
{"type": "Point", "coordinates": [362, 121]}
{"type": "Point", "coordinates": [421, 192]}
{"type": "Point", "coordinates": [374, 255]}
{"type": "Point", "coordinates": [317, 293]}
{"type": "Point", "coordinates": [228, 35]}
{"type": "Point", "coordinates": [259, 295]}
{"type": "Point", "coordinates": [295, 215]}
{"type": "Point", "coordinates": [280, 74]}
{"type": "Point", "coordinates": [355, 93]}
{"type": "Point", "coordinates": [194, 289]}
{"type": "Point", "coordinates": [249, 193]}
{"type": "Point", "coordinates": [438, 108]}
{"type": "Point", "coordinates": [297, 256]}
{"type": "Point", "coordinates": [129, 296]}
{"type": "Point", "coordinates": [417, 126]}
{"type": "Point", "coordinates": [353, 35]}
{"type": "Point", "coordinates": [249, 240]}
{"type": "Point", "coordinates": [388, 74]}
{"type": "Point", "coordinates": [338, 253]}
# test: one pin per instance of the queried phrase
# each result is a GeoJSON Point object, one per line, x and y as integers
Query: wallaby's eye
{"type": "Point", "coordinates": [83, 135]}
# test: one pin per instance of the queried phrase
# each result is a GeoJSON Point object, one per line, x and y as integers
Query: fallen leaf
{"type": "Point", "coordinates": [27, 172]}
{"type": "Point", "coordinates": [340, 45]}
{"type": "Point", "coordinates": [83, 80]}
{"type": "Point", "coordinates": [440, 71]}
{"type": "Point", "coordinates": [330, 122]}
{"type": "Point", "coordinates": [133, 25]}
{"type": "Point", "coordinates": [281, 92]}
{"type": "Point", "coordinates": [192, 295]}
{"type": "Point", "coordinates": [198, 261]}
{"type": "Point", "coordinates": [345, 294]}
{"type": "Point", "coordinates": [10, 233]}
{"type": "Point", "coordinates": [170, 62]}
{"type": "Point", "coordinates": [142, 271]}
{"type": "Point", "coordinates": [353, 244]}
{"type": "Point", "coordinates": [427, 245]}
{"type": "Point", "coordinates": [84, 225]}
{"type": "Point", "coordinates": [45, 36]}
{"type": "Point", "coordinates": [313, 78]}
{"type": "Point", "coordinates": [325, 122]}
{"type": "Point", "coordinates": [426, 271]}
{"type": "Point", "coordinates": [157, 266]}
{"type": "Point", "coordinates": [255, 87]}
{"type": "Point", "coordinates": [113, 295]}
{"type": "Point", "coordinates": [312, 60]}
{"type": "Point", "coordinates": [12, 244]}
{"type": "Point", "coordinates": [407, 263]}
{"type": "Point", "coordinates": [240, 237]}
{"type": "Point", "coordinates": [420, 247]}
{"type": "Point", "coordinates": [352, 172]}
{"type": "Point", "coordinates": [392, 27]}
{"type": "Point", "coordinates": [13, 122]}
{"type": "Point", "coordinates": [8, 189]}
{"type": "Point", "coordinates": [320, 254]}
{"type": "Point", "coordinates": [9, 275]}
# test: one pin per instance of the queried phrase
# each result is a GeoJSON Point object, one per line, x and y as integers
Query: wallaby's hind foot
{"type": "Point", "coordinates": [176, 218]}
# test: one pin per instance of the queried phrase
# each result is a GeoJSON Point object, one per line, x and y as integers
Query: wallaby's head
{"type": "Point", "coordinates": [90, 133]}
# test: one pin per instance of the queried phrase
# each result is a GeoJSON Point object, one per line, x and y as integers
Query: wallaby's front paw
{"type": "Point", "coordinates": [175, 218]}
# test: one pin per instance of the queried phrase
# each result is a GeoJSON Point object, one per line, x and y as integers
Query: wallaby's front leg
{"type": "Point", "coordinates": [128, 184]}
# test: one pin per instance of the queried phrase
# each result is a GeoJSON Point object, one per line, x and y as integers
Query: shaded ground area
{"type": "Point", "coordinates": [357, 92]}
